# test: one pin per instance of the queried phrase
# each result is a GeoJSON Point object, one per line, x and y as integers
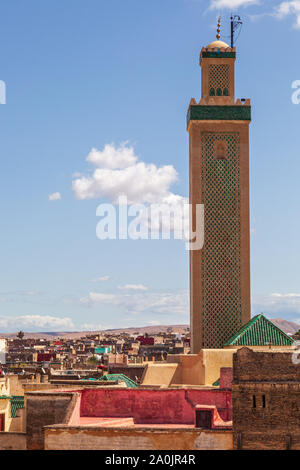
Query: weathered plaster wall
{"type": "Point", "coordinates": [154, 406]}
{"type": "Point", "coordinates": [73, 417]}
{"type": "Point", "coordinates": [80, 438]}
{"type": "Point", "coordinates": [43, 409]}
{"type": "Point", "coordinates": [226, 377]}
{"type": "Point", "coordinates": [12, 441]}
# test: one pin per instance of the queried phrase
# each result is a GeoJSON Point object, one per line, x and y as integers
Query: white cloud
{"type": "Point", "coordinates": [92, 327]}
{"type": "Point", "coordinates": [289, 8]}
{"type": "Point", "coordinates": [35, 322]}
{"type": "Point", "coordinates": [101, 279]}
{"type": "Point", "coordinates": [55, 196]}
{"type": "Point", "coordinates": [133, 287]}
{"type": "Point", "coordinates": [112, 157]}
{"type": "Point", "coordinates": [279, 304]}
{"type": "Point", "coordinates": [232, 4]}
{"type": "Point", "coordinates": [118, 172]}
{"type": "Point", "coordinates": [285, 296]}
{"type": "Point", "coordinates": [165, 303]}
{"type": "Point", "coordinates": [15, 296]}
{"type": "Point", "coordinates": [170, 215]}
{"type": "Point", "coordinates": [31, 293]}
{"type": "Point", "coordinates": [95, 297]}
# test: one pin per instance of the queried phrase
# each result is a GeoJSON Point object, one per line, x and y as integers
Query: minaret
{"type": "Point", "coordinates": [218, 129]}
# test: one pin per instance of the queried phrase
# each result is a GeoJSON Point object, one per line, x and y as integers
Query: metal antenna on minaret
{"type": "Point", "coordinates": [236, 25]}
{"type": "Point", "coordinates": [218, 28]}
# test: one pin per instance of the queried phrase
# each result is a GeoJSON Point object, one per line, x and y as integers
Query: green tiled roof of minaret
{"type": "Point", "coordinates": [260, 331]}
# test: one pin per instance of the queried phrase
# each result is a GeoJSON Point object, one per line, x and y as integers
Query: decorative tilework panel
{"type": "Point", "coordinates": [221, 271]}
{"type": "Point", "coordinates": [219, 77]}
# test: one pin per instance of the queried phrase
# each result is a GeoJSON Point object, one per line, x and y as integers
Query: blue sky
{"type": "Point", "coordinates": [89, 74]}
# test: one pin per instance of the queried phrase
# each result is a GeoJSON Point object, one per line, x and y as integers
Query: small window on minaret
{"type": "Point", "coordinates": [212, 92]}
{"type": "Point", "coordinates": [221, 151]}
{"type": "Point", "coordinates": [219, 92]}
{"type": "Point", "coordinates": [225, 92]}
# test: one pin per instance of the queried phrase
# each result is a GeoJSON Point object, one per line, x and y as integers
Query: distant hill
{"type": "Point", "coordinates": [288, 327]}
{"type": "Point", "coordinates": [151, 330]}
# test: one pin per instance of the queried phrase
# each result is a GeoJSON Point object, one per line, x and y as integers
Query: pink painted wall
{"type": "Point", "coordinates": [226, 377]}
{"type": "Point", "coordinates": [153, 406]}
{"type": "Point", "coordinates": [75, 416]}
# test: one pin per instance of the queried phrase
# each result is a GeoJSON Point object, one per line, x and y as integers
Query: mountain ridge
{"type": "Point", "coordinates": [288, 327]}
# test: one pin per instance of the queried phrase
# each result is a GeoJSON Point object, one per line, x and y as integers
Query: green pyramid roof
{"type": "Point", "coordinates": [120, 377]}
{"type": "Point", "coordinates": [260, 331]}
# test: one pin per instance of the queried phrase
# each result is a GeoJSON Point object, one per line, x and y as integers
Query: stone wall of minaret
{"type": "Point", "coordinates": [218, 129]}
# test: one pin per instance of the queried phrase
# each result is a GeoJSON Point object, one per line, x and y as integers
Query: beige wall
{"type": "Point", "coordinates": [17, 424]}
{"type": "Point", "coordinates": [11, 385]}
{"type": "Point", "coordinates": [196, 369]}
{"type": "Point", "coordinates": [4, 386]}
{"type": "Point", "coordinates": [16, 385]}
{"type": "Point", "coordinates": [12, 441]}
{"type": "Point", "coordinates": [192, 370]}
{"type": "Point", "coordinates": [5, 409]}
{"type": "Point", "coordinates": [213, 360]}
{"type": "Point", "coordinates": [84, 438]}
{"type": "Point", "coordinates": [160, 374]}
{"type": "Point", "coordinates": [189, 369]}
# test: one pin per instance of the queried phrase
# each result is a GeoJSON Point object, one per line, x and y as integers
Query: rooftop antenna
{"type": "Point", "coordinates": [236, 26]}
{"type": "Point", "coordinates": [218, 28]}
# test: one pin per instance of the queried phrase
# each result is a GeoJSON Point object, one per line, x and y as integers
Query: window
{"type": "Point", "coordinates": [204, 419]}
{"type": "Point", "coordinates": [264, 401]}
{"type": "Point", "coordinates": [212, 92]}
{"type": "Point", "coordinates": [254, 401]}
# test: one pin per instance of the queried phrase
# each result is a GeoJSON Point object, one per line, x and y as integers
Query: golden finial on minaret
{"type": "Point", "coordinates": [218, 28]}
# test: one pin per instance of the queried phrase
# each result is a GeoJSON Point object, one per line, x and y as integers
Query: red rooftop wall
{"type": "Point", "coordinates": [46, 357]}
{"type": "Point", "coordinates": [145, 340]}
{"type": "Point", "coordinates": [153, 406]}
